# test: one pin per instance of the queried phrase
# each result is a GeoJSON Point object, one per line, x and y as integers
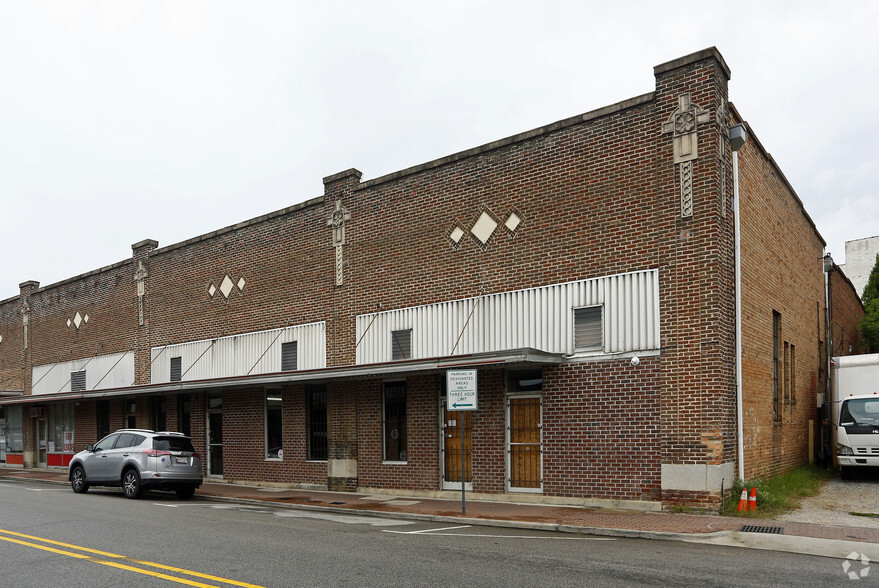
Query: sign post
{"type": "Point", "coordinates": [461, 395]}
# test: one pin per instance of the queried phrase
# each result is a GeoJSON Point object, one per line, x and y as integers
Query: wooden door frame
{"type": "Point", "coordinates": [507, 449]}
{"type": "Point", "coordinates": [442, 451]}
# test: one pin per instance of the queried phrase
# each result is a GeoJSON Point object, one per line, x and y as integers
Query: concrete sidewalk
{"type": "Point", "coordinates": [830, 541]}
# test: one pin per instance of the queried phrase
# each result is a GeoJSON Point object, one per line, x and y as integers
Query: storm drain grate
{"type": "Point", "coordinates": [337, 503]}
{"type": "Point", "coordinates": [759, 529]}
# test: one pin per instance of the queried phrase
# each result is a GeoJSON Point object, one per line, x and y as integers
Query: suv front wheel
{"type": "Point", "coordinates": [77, 480]}
{"type": "Point", "coordinates": [131, 484]}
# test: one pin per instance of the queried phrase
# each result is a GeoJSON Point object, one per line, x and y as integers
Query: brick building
{"type": "Point", "coordinates": [586, 270]}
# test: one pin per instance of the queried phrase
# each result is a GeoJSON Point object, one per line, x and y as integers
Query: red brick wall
{"type": "Point", "coordinates": [11, 347]}
{"type": "Point", "coordinates": [598, 195]}
{"type": "Point", "coordinates": [601, 427]}
{"type": "Point", "coordinates": [488, 449]}
{"type": "Point", "coordinates": [782, 272]}
{"type": "Point", "coordinates": [847, 311]}
{"type": "Point", "coordinates": [421, 471]}
{"type": "Point", "coordinates": [85, 425]}
{"type": "Point", "coordinates": [109, 298]}
{"type": "Point", "coordinates": [244, 446]}
{"type": "Point", "coordinates": [286, 261]}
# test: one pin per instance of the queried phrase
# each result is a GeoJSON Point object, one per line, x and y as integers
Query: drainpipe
{"type": "Point", "coordinates": [738, 136]}
{"type": "Point", "coordinates": [828, 341]}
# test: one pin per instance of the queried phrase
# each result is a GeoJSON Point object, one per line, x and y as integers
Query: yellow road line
{"type": "Point", "coordinates": [51, 542]}
{"type": "Point", "coordinates": [121, 565]}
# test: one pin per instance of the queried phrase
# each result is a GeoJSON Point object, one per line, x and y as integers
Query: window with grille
{"type": "Point", "coordinates": [176, 369]}
{"type": "Point", "coordinates": [77, 381]}
{"type": "Point", "coordinates": [588, 329]}
{"type": "Point", "coordinates": [776, 341]}
{"type": "Point", "coordinates": [317, 422]}
{"type": "Point", "coordinates": [394, 421]}
{"type": "Point", "coordinates": [401, 344]}
{"type": "Point", "coordinates": [289, 353]}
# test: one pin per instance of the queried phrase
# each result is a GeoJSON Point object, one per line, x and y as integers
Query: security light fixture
{"type": "Point", "coordinates": [737, 136]}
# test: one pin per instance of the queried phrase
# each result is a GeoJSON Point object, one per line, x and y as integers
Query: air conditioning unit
{"type": "Point", "coordinates": [36, 411]}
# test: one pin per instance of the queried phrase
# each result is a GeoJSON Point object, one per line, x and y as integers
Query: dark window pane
{"type": "Point", "coordinates": [395, 422]}
{"type": "Point", "coordinates": [317, 423]}
{"type": "Point", "coordinates": [183, 413]}
{"type": "Point", "coordinates": [172, 444]}
{"type": "Point", "coordinates": [274, 434]}
{"type": "Point", "coordinates": [124, 440]}
{"type": "Point", "coordinates": [103, 417]}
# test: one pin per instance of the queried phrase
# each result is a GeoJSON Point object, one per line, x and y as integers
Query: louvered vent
{"type": "Point", "coordinates": [77, 381]}
{"type": "Point", "coordinates": [588, 329]}
{"type": "Point", "coordinates": [401, 344]}
{"type": "Point", "coordinates": [289, 354]}
{"type": "Point", "coordinates": [176, 369]}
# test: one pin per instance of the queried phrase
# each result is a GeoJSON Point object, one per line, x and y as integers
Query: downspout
{"type": "Point", "coordinates": [738, 136]}
{"type": "Point", "coordinates": [828, 328]}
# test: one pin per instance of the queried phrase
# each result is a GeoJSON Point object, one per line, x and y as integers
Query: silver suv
{"type": "Point", "coordinates": [137, 460]}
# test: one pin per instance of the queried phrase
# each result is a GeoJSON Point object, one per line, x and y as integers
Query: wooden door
{"type": "Point", "coordinates": [525, 443]}
{"type": "Point", "coordinates": [451, 427]}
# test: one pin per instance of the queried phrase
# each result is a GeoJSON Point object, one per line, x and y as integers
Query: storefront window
{"type": "Point", "coordinates": [61, 428]}
{"type": "Point", "coordinates": [274, 435]}
{"type": "Point", "coordinates": [2, 434]}
{"type": "Point", "coordinates": [13, 429]}
{"type": "Point", "coordinates": [394, 425]}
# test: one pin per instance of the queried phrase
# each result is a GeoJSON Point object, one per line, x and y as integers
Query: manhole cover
{"type": "Point", "coordinates": [759, 529]}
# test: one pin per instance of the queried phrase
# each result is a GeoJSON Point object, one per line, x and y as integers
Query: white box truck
{"type": "Point", "coordinates": [855, 411]}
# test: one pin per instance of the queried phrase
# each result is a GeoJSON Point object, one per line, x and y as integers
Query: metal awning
{"type": "Point", "coordinates": [525, 356]}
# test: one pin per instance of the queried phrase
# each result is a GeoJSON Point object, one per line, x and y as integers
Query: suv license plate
{"type": "Point", "coordinates": [179, 460]}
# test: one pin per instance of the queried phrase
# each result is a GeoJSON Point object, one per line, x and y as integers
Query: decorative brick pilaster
{"type": "Point", "coordinates": [697, 277]}
{"type": "Point", "coordinates": [140, 278]}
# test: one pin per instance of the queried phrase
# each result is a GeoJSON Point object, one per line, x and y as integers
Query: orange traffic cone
{"type": "Point", "coordinates": [743, 501]}
{"type": "Point", "coordinates": [752, 499]}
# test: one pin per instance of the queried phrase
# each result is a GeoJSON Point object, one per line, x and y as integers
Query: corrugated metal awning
{"type": "Point", "coordinates": [526, 356]}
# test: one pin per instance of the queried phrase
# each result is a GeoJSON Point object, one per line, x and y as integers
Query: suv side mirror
{"type": "Point", "coordinates": [90, 448]}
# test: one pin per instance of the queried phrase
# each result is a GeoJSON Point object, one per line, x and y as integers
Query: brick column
{"type": "Point", "coordinates": [28, 426]}
{"type": "Point", "coordinates": [341, 222]}
{"type": "Point", "coordinates": [697, 277]}
{"type": "Point", "coordinates": [140, 264]}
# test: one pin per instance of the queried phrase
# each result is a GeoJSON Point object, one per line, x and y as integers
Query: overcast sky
{"type": "Point", "coordinates": [122, 121]}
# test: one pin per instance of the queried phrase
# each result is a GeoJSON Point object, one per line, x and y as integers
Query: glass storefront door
{"type": "Point", "coordinates": [42, 443]}
{"type": "Point", "coordinates": [215, 435]}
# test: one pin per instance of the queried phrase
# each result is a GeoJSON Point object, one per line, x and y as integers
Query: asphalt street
{"type": "Point", "coordinates": [50, 536]}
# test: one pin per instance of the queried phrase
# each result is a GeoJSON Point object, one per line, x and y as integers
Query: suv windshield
{"type": "Point", "coordinates": [173, 444]}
